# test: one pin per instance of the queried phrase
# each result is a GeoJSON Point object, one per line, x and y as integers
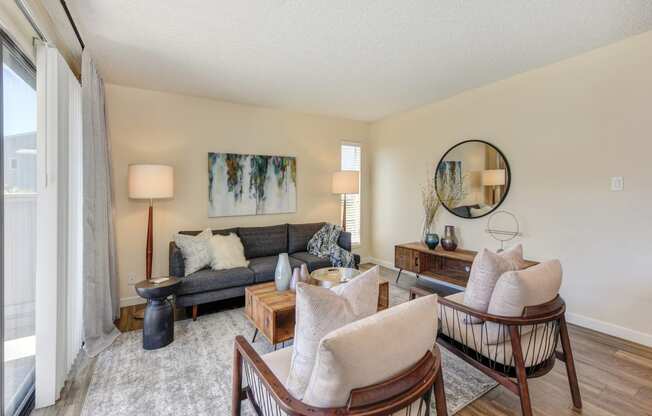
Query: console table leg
{"type": "Point", "coordinates": [254, 338]}
{"type": "Point", "coordinates": [398, 275]}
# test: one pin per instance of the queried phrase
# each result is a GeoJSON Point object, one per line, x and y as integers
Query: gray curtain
{"type": "Point", "coordinates": [101, 304]}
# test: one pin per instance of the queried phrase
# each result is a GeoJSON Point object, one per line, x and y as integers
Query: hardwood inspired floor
{"type": "Point", "coordinates": [615, 375]}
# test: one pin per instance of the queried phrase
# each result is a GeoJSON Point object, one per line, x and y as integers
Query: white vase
{"type": "Point", "coordinates": [283, 273]}
{"type": "Point", "coordinates": [305, 276]}
{"type": "Point", "coordinates": [296, 278]}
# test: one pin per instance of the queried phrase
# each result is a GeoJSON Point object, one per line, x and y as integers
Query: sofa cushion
{"type": "Point", "coordinates": [313, 262]}
{"type": "Point", "coordinates": [349, 358]}
{"type": "Point", "coordinates": [264, 241]}
{"type": "Point", "coordinates": [206, 280]}
{"type": "Point", "coordinates": [300, 234]}
{"type": "Point", "coordinates": [320, 311]}
{"type": "Point", "coordinates": [225, 231]}
{"type": "Point", "coordinates": [264, 267]}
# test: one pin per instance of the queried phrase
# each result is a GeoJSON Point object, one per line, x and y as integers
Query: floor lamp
{"type": "Point", "coordinates": [346, 182]}
{"type": "Point", "coordinates": [150, 182]}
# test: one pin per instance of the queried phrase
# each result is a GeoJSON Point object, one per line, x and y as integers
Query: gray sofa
{"type": "Point", "coordinates": [262, 246]}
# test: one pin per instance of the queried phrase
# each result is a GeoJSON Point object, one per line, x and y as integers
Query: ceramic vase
{"type": "Point", "coordinates": [449, 242]}
{"type": "Point", "coordinates": [283, 273]}
{"type": "Point", "coordinates": [296, 278]}
{"type": "Point", "coordinates": [304, 275]}
{"type": "Point", "coordinates": [432, 240]}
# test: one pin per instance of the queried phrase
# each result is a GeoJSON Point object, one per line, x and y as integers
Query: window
{"type": "Point", "coordinates": [351, 155]}
{"type": "Point", "coordinates": [18, 126]}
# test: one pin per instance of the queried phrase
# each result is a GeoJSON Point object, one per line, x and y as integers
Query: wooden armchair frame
{"type": "Point", "coordinates": [402, 391]}
{"type": "Point", "coordinates": [549, 316]}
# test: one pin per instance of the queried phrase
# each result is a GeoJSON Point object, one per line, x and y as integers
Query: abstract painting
{"type": "Point", "coordinates": [449, 175]}
{"type": "Point", "coordinates": [251, 184]}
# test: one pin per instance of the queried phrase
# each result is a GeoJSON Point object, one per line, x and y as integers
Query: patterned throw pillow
{"type": "Point", "coordinates": [320, 311]}
{"type": "Point", "coordinates": [196, 250]}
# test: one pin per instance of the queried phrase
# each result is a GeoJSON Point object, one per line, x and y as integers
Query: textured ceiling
{"type": "Point", "coordinates": [361, 59]}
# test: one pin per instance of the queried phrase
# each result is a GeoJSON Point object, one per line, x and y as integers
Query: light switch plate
{"type": "Point", "coordinates": [617, 183]}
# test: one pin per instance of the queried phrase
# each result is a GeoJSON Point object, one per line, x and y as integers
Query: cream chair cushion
{"type": "Point", "coordinates": [486, 269]}
{"type": "Point", "coordinates": [320, 311]}
{"type": "Point", "coordinates": [371, 350]}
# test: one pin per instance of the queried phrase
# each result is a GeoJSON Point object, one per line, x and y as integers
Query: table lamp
{"type": "Point", "coordinates": [150, 182]}
{"type": "Point", "coordinates": [494, 178]}
{"type": "Point", "coordinates": [346, 182]}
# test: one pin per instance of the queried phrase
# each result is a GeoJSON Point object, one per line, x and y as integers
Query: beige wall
{"type": "Point", "coordinates": [565, 130]}
{"type": "Point", "coordinates": [154, 127]}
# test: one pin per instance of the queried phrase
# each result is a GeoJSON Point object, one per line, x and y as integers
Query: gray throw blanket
{"type": "Point", "coordinates": [324, 244]}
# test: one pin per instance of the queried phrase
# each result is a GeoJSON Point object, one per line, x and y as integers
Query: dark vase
{"type": "Point", "coordinates": [449, 242]}
{"type": "Point", "coordinates": [432, 240]}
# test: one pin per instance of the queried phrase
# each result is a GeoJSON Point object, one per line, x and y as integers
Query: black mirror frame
{"type": "Point", "coordinates": [507, 185]}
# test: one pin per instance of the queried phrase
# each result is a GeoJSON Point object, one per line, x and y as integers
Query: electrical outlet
{"type": "Point", "coordinates": [617, 183]}
{"type": "Point", "coordinates": [131, 278]}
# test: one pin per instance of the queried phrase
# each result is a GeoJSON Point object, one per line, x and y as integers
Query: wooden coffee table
{"type": "Point", "coordinates": [272, 312]}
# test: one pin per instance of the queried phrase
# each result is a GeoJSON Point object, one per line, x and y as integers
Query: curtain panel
{"type": "Point", "coordinates": [101, 303]}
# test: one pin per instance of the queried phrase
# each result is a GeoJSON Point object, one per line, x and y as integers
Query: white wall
{"type": "Point", "coordinates": [156, 127]}
{"type": "Point", "coordinates": [565, 130]}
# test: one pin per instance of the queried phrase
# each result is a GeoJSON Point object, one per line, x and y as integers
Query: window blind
{"type": "Point", "coordinates": [351, 155]}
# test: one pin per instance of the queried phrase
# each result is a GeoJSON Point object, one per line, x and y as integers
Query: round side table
{"type": "Point", "coordinates": [158, 324]}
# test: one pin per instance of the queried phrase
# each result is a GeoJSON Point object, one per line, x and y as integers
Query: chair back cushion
{"type": "Point", "coordinates": [486, 269]}
{"type": "Point", "coordinates": [264, 241]}
{"type": "Point", "coordinates": [320, 311]}
{"type": "Point", "coordinates": [371, 350]}
{"type": "Point", "coordinates": [533, 286]}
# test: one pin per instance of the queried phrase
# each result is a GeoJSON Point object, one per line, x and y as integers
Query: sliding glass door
{"type": "Point", "coordinates": [19, 173]}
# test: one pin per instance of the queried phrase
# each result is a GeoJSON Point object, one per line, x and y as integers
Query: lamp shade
{"type": "Point", "coordinates": [151, 181]}
{"type": "Point", "coordinates": [346, 182]}
{"type": "Point", "coordinates": [493, 177]}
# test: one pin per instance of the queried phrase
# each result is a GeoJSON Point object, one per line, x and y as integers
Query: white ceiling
{"type": "Point", "coordinates": [361, 59]}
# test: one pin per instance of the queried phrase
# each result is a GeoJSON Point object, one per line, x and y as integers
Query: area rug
{"type": "Point", "coordinates": [193, 374]}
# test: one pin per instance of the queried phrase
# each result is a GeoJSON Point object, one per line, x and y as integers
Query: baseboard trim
{"type": "Point", "coordinates": [573, 318]}
{"type": "Point", "coordinates": [610, 329]}
{"type": "Point", "coordinates": [131, 301]}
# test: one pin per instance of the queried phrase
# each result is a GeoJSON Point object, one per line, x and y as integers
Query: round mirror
{"type": "Point", "coordinates": [472, 179]}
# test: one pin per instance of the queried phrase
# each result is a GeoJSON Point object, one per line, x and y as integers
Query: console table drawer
{"type": "Point", "coordinates": [406, 259]}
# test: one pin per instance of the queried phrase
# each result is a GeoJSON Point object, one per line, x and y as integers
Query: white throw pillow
{"type": "Point", "coordinates": [371, 350]}
{"type": "Point", "coordinates": [320, 311]}
{"type": "Point", "coordinates": [196, 250]}
{"type": "Point", "coordinates": [227, 252]}
{"type": "Point", "coordinates": [486, 269]}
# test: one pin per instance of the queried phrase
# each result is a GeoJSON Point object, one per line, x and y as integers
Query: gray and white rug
{"type": "Point", "coordinates": [193, 374]}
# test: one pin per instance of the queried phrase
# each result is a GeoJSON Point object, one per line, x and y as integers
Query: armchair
{"type": "Point", "coordinates": [513, 347]}
{"type": "Point", "coordinates": [350, 375]}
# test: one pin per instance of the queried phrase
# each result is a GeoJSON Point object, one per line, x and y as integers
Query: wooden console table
{"type": "Point", "coordinates": [448, 266]}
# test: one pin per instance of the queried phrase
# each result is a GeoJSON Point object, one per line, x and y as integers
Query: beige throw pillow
{"type": "Point", "coordinates": [514, 255]}
{"type": "Point", "coordinates": [486, 269]}
{"type": "Point", "coordinates": [195, 249]}
{"type": "Point", "coordinates": [320, 311]}
{"type": "Point", "coordinates": [517, 289]}
{"type": "Point", "coordinates": [227, 252]}
{"type": "Point", "coordinates": [371, 350]}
